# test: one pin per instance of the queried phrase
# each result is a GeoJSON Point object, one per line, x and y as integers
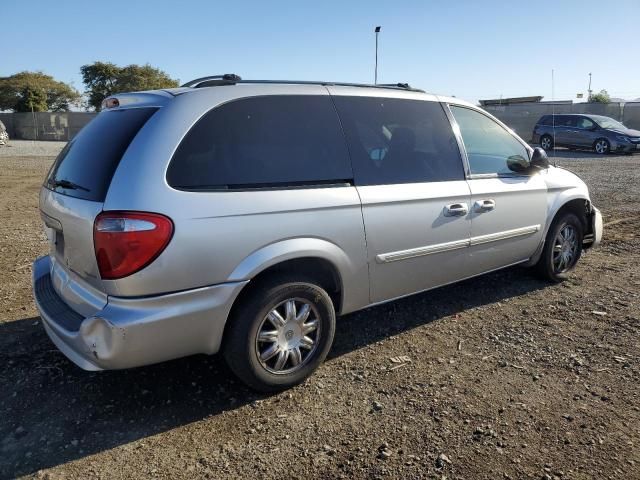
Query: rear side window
{"type": "Point", "coordinates": [268, 141]}
{"type": "Point", "coordinates": [395, 141]}
{"type": "Point", "coordinates": [85, 167]}
{"type": "Point", "coordinates": [566, 121]}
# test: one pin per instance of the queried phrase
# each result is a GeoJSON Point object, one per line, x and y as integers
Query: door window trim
{"type": "Point", "coordinates": [463, 149]}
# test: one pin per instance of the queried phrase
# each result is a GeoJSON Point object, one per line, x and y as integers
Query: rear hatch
{"type": "Point", "coordinates": [73, 195]}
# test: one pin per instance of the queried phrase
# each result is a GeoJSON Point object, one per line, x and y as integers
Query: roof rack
{"type": "Point", "coordinates": [213, 80]}
{"type": "Point", "coordinates": [232, 79]}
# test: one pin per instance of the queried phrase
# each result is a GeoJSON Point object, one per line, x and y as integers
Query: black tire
{"type": "Point", "coordinates": [241, 346]}
{"type": "Point", "coordinates": [602, 146]}
{"type": "Point", "coordinates": [547, 266]}
{"type": "Point", "coordinates": [546, 142]}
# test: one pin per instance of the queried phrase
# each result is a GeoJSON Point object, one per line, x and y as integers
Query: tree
{"type": "Point", "coordinates": [103, 79]}
{"type": "Point", "coordinates": [601, 97]}
{"type": "Point", "coordinates": [100, 81]}
{"type": "Point", "coordinates": [23, 90]}
{"type": "Point", "coordinates": [32, 100]}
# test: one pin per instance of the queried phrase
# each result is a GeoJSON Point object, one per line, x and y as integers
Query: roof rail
{"type": "Point", "coordinates": [232, 79]}
{"type": "Point", "coordinates": [213, 80]}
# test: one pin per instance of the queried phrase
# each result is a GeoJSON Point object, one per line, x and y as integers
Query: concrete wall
{"type": "Point", "coordinates": [523, 117]}
{"type": "Point", "coordinates": [45, 125]}
{"type": "Point", "coordinates": [631, 115]}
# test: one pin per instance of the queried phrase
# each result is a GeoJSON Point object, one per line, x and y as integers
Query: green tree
{"type": "Point", "coordinates": [103, 79]}
{"type": "Point", "coordinates": [32, 100]}
{"type": "Point", "coordinates": [601, 97]}
{"type": "Point", "coordinates": [100, 80]}
{"type": "Point", "coordinates": [42, 91]}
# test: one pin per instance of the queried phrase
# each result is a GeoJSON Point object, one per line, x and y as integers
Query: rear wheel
{"type": "Point", "coordinates": [280, 334]}
{"type": "Point", "coordinates": [562, 248]}
{"type": "Point", "coordinates": [546, 142]}
{"type": "Point", "coordinates": [602, 146]}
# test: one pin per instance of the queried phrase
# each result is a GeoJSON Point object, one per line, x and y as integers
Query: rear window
{"type": "Point", "coordinates": [269, 141]}
{"type": "Point", "coordinates": [87, 163]}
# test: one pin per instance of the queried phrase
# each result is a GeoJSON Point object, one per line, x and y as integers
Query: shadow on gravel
{"type": "Point", "coordinates": [51, 412]}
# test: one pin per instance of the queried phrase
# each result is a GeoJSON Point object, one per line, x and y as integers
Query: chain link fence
{"type": "Point", "coordinates": [45, 125]}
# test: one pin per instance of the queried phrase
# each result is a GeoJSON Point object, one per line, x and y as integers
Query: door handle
{"type": "Point", "coordinates": [456, 210]}
{"type": "Point", "coordinates": [484, 205]}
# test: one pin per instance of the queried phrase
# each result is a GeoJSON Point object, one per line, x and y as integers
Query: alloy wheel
{"type": "Point", "coordinates": [565, 249]}
{"type": "Point", "coordinates": [545, 143]}
{"type": "Point", "coordinates": [602, 146]}
{"type": "Point", "coordinates": [288, 336]}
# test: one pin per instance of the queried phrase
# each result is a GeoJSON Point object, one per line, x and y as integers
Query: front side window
{"type": "Point", "coordinates": [584, 122]}
{"type": "Point", "coordinates": [490, 148]}
{"type": "Point", "coordinates": [395, 140]}
{"type": "Point", "coordinates": [268, 141]}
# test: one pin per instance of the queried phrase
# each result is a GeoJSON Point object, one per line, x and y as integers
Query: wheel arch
{"type": "Point", "coordinates": [314, 258]}
{"type": "Point", "coordinates": [317, 269]}
{"type": "Point", "coordinates": [577, 204]}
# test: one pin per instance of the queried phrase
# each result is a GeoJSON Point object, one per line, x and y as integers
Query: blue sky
{"type": "Point", "coordinates": [471, 49]}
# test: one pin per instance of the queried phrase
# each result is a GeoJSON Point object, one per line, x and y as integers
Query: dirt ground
{"type": "Point", "coordinates": [508, 377]}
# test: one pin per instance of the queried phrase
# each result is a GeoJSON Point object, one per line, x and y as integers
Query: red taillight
{"type": "Point", "coordinates": [126, 242]}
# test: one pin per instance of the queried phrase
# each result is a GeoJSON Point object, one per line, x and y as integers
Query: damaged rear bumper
{"type": "Point", "coordinates": [131, 332]}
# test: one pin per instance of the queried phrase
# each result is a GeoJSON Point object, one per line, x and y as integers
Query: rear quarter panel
{"type": "Point", "coordinates": [233, 235]}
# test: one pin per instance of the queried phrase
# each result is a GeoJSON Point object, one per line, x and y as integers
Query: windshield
{"type": "Point", "coordinates": [606, 122]}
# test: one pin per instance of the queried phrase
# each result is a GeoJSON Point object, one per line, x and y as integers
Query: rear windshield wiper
{"type": "Point", "coordinates": [68, 184]}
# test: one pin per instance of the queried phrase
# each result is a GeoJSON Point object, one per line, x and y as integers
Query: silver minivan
{"type": "Point", "coordinates": [242, 217]}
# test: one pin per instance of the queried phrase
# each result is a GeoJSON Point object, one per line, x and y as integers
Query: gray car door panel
{"type": "Point", "coordinates": [508, 209]}
{"type": "Point", "coordinates": [508, 215]}
{"type": "Point", "coordinates": [417, 235]}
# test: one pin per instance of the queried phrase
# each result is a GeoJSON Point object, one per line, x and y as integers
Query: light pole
{"type": "Point", "coordinates": [589, 90]}
{"type": "Point", "coordinates": [375, 78]}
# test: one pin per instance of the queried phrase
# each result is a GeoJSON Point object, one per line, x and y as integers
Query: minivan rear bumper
{"type": "Point", "coordinates": [131, 332]}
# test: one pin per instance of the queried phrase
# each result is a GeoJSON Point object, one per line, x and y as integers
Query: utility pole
{"type": "Point", "coordinates": [375, 81]}
{"type": "Point", "coordinates": [589, 89]}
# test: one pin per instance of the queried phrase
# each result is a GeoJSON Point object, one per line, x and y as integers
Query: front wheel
{"type": "Point", "coordinates": [280, 335]}
{"type": "Point", "coordinates": [602, 146]}
{"type": "Point", "coordinates": [562, 248]}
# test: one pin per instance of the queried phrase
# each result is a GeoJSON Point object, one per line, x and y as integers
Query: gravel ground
{"type": "Point", "coordinates": [506, 377]}
{"type": "Point", "coordinates": [20, 148]}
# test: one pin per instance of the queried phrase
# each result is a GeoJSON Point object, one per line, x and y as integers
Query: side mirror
{"type": "Point", "coordinates": [539, 159]}
{"type": "Point", "coordinates": [518, 164]}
